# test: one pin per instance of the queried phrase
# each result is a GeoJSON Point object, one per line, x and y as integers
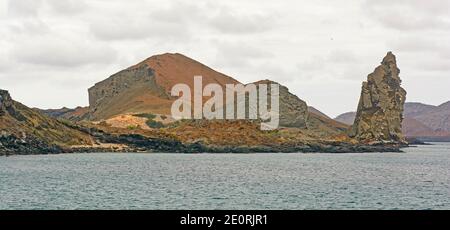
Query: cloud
{"type": "Point", "coordinates": [61, 52]}
{"type": "Point", "coordinates": [114, 30]}
{"type": "Point", "coordinates": [427, 46]}
{"type": "Point", "coordinates": [31, 26]}
{"type": "Point", "coordinates": [415, 44]}
{"type": "Point", "coordinates": [410, 14]}
{"type": "Point", "coordinates": [233, 22]}
{"type": "Point", "coordinates": [24, 8]}
{"type": "Point", "coordinates": [180, 12]}
{"type": "Point", "coordinates": [338, 64]}
{"type": "Point", "coordinates": [239, 54]}
{"type": "Point", "coordinates": [4, 61]}
{"type": "Point", "coordinates": [342, 57]}
{"type": "Point", "coordinates": [430, 67]}
{"type": "Point", "coordinates": [162, 23]}
{"type": "Point", "coordinates": [67, 7]}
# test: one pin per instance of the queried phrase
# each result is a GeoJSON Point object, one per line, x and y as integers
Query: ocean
{"type": "Point", "coordinates": [419, 179]}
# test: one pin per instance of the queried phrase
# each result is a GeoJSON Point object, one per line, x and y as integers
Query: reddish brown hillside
{"type": "Point", "coordinates": [172, 69]}
{"type": "Point", "coordinates": [145, 87]}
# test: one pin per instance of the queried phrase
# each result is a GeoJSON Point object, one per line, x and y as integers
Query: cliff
{"type": "Point", "coordinates": [380, 110]}
{"type": "Point", "coordinates": [292, 110]}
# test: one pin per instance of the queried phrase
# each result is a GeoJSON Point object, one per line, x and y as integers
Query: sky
{"type": "Point", "coordinates": [52, 51]}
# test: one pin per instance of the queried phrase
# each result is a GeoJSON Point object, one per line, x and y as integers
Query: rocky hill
{"type": "Point", "coordinates": [146, 87]}
{"type": "Point", "coordinates": [380, 110]}
{"type": "Point", "coordinates": [25, 130]}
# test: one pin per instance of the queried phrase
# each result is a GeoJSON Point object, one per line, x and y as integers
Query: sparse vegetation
{"type": "Point", "coordinates": [154, 124]}
{"type": "Point", "coordinates": [132, 127]}
{"type": "Point", "coordinates": [151, 123]}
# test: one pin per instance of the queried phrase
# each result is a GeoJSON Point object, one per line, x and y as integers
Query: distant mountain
{"type": "Point", "coordinates": [420, 120]}
{"type": "Point", "coordinates": [77, 114]}
{"type": "Point", "coordinates": [413, 109]}
{"type": "Point", "coordinates": [435, 117]}
{"type": "Point", "coordinates": [415, 128]}
{"type": "Point", "coordinates": [346, 118]}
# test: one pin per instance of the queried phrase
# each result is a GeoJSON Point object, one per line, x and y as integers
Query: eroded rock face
{"type": "Point", "coordinates": [380, 110]}
{"type": "Point", "coordinates": [293, 110]}
{"type": "Point", "coordinates": [104, 96]}
{"type": "Point", "coordinates": [5, 102]}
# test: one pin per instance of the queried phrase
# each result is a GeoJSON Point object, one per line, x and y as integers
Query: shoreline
{"type": "Point", "coordinates": [199, 149]}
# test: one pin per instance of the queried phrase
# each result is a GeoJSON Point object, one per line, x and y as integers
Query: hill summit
{"type": "Point", "coordinates": [145, 87]}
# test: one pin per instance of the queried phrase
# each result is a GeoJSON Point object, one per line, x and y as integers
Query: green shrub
{"type": "Point", "coordinates": [154, 124]}
{"type": "Point", "coordinates": [132, 127]}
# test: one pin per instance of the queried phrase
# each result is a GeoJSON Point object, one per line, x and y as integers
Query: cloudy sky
{"type": "Point", "coordinates": [51, 51]}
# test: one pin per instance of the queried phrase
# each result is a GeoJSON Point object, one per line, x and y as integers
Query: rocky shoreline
{"type": "Point", "coordinates": [141, 144]}
{"type": "Point", "coordinates": [166, 146]}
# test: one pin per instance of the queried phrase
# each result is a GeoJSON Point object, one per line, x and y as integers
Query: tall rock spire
{"type": "Point", "coordinates": [380, 110]}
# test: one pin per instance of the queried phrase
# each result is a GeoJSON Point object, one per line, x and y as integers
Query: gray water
{"type": "Point", "coordinates": [416, 179]}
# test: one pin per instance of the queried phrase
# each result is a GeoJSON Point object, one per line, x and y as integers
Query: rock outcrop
{"type": "Point", "coordinates": [27, 131]}
{"type": "Point", "coordinates": [293, 111]}
{"type": "Point", "coordinates": [380, 110]}
{"type": "Point", "coordinates": [6, 102]}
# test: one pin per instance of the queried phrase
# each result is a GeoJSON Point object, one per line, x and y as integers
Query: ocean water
{"type": "Point", "coordinates": [416, 179]}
